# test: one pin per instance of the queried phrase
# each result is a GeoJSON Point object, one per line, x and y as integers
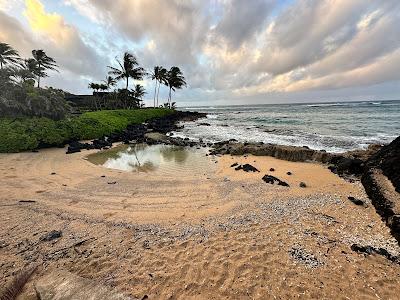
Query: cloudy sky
{"type": "Point", "coordinates": [231, 51]}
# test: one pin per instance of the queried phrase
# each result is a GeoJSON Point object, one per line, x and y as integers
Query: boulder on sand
{"type": "Point", "coordinates": [272, 179]}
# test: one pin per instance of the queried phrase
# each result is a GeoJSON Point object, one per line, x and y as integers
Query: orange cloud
{"type": "Point", "coordinates": [50, 25]}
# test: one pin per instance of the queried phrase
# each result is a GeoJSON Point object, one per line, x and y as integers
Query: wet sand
{"type": "Point", "coordinates": [212, 233]}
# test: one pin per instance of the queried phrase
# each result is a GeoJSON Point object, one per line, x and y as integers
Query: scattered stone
{"type": "Point", "coordinates": [204, 124]}
{"type": "Point", "coordinates": [368, 250]}
{"type": "Point", "coordinates": [247, 168]}
{"type": "Point", "coordinates": [272, 179]}
{"type": "Point", "coordinates": [146, 244]}
{"type": "Point", "coordinates": [302, 256]}
{"type": "Point", "coordinates": [302, 185]}
{"type": "Point", "coordinates": [289, 173]}
{"type": "Point", "coordinates": [357, 201]}
{"type": "Point", "coordinates": [113, 182]}
{"type": "Point", "coordinates": [52, 235]}
{"type": "Point", "coordinates": [272, 170]}
{"type": "Point", "coordinates": [234, 165]}
{"type": "Point", "coordinates": [53, 173]}
{"type": "Point", "coordinates": [103, 176]}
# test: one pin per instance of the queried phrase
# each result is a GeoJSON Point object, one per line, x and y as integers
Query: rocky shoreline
{"type": "Point", "coordinates": [378, 167]}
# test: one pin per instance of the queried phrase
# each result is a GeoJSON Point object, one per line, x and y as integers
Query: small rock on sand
{"type": "Point", "coordinates": [52, 235]}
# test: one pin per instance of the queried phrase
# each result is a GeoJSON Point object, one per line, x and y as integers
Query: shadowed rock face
{"type": "Point", "coordinates": [388, 160]}
{"type": "Point", "coordinates": [381, 181]}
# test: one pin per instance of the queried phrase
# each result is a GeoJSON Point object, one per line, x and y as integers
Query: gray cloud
{"type": "Point", "coordinates": [233, 49]}
{"type": "Point", "coordinates": [242, 20]}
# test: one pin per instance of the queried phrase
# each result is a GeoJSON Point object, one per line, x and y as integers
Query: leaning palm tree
{"type": "Point", "coordinates": [109, 82]}
{"type": "Point", "coordinates": [175, 80]}
{"type": "Point", "coordinates": [44, 63]}
{"type": "Point", "coordinates": [8, 55]}
{"type": "Point", "coordinates": [129, 68]}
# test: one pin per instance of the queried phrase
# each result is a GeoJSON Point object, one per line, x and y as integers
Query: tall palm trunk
{"type": "Point", "coordinates": [169, 98]}
{"type": "Point", "coordinates": [158, 91]}
{"type": "Point", "coordinates": [127, 82]}
{"type": "Point", "coordinates": [38, 82]}
{"type": "Point", "coordinates": [155, 92]}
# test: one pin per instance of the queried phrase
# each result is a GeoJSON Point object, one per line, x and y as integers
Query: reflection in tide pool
{"type": "Point", "coordinates": [145, 158]}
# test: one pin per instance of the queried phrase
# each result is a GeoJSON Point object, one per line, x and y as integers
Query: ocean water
{"type": "Point", "coordinates": [334, 127]}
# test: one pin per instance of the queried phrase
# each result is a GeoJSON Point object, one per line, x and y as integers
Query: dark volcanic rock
{"type": "Point", "coordinates": [272, 179]}
{"type": "Point", "coordinates": [344, 165]}
{"type": "Point", "coordinates": [302, 185]}
{"type": "Point", "coordinates": [52, 235]}
{"type": "Point", "coordinates": [357, 201]}
{"type": "Point", "coordinates": [368, 250]}
{"type": "Point", "coordinates": [247, 168]}
{"type": "Point", "coordinates": [388, 160]}
{"type": "Point", "coordinates": [234, 165]}
{"type": "Point", "coordinates": [381, 181]}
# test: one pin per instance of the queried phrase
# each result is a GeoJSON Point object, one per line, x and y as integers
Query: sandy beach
{"type": "Point", "coordinates": [211, 233]}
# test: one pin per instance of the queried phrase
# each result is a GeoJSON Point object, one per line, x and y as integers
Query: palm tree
{"type": "Point", "coordinates": [162, 78]}
{"type": "Point", "coordinates": [109, 82]}
{"type": "Point", "coordinates": [8, 55]}
{"type": "Point", "coordinates": [94, 86]}
{"type": "Point", "coordinates": [175, 80]}
{"type": "Point", "coordinates": [44, 63]}
{"type": "Point", "coordinates": [157, 75]}
{"type": "Point", "coordinates": [129, 68]}
{"type": "Point", "coordinates": [139, 92]}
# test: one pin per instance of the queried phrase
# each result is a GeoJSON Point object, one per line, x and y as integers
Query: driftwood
{"type": "Point", "coordinates": [15, 287]}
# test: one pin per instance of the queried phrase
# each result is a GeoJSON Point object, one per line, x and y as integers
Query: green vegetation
{"type": "Point", "coordinates": [23, 134]}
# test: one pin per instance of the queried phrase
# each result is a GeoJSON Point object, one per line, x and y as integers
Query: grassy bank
{"type": "Point", "coordinates": [23, 134]}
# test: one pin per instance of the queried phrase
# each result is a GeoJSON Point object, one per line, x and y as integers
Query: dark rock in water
{"type": "Point", "coordinates": [247, 168]}
{"type": "Point", "coordinates": [368, 250]}
{"type": "Point", "coordinates": [356, 201]}
{"type": "Point", "coordinates": [302, 185]}
{"type": "Point", "coordinates": [234, 165]}
{"type": "Point", "coordinates": [289, 173]}
{"type": "Point", "coordinates": [272, 169]}
{"type": "Point", "coordinates": [272, 179]}
{"type": "Point", "coordinates": [52, 235]}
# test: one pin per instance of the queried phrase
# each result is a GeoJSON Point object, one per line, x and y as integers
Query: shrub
{"type": "Point", "coordinates": [23, 134]}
